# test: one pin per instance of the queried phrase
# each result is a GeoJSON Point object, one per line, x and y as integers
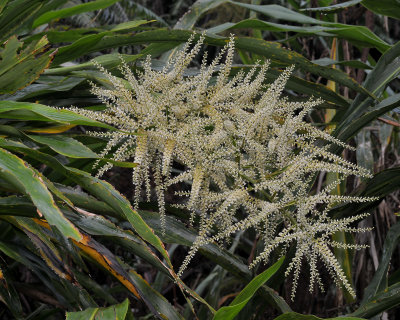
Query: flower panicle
{"type": "Point", "coordinates": [242, 146]}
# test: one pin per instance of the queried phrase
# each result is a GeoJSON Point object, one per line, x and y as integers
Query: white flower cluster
{"type": "Point", "coordinates": [248, 154]}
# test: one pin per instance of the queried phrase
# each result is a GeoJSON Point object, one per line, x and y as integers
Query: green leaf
{"type": "Point", "coordinates": [129, 25]}
{"type": "Point", "coordinates": [3, 3]}
{"type": "Point", "coordinates": [196, 11]}
{"type": "Point", "coordinates": [72, 148]}
{"type": "Point", "coordinates": [68, 12]}
{"type": "Point", "coordinates": [298, 316]}
{"type": "Point", "coordinates": [358, 35]}
{"type": "Point", "coordinates": [266, 25]}
{"type": "Point", "coordinates": [278, 12]}
{"type": "Point", "coordinates": [386, 69]}
{"type": "Point", "coordinates": [345, 132]}
{"type": "Point", "coordinates": [65, 145]}
{"type": "Point", "coordinates": [390, 8]}
{"type": "Point", "coordinates": [13, 168]}
{"type": "Point", "coordinates": [103, 190]}
{"type": "Point", "coordinates": [45, 247]}
{"type": "Point", "coordinates": [160, 303]}
{"type": "Point", "coordinates": [329, 62]}
{"type": "Point", "coordinates": [34, 111]}
{"type": "Point", "coordinates": [48, 84]}
{"type": "Point", "coordinates": [97, 225]}
{"type": "Point", "coordinates": [20, 67]}
{"type": "Point", "coordinates": [89, 43]}
{"type": "Point", "coordinates": [115, 312]}
{"type": "Point", "coordinates": [229, 312]}
{"type": "Point", "coordinates": [108, 61]}
{"type": "Point", "coordinates": [334, 7]}
{"type": "Point", "coordinates": [382, 301]}
{"type": "Point", "coordinates": [379, 281]}
{"type": "Point", "coordinates": [16, 15]}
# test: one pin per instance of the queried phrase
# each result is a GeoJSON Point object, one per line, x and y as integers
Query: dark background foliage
{"type": "Point", "coordinates": [347, 54]}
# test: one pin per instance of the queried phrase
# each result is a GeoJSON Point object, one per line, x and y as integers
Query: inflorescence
{"type": "Point", "coordinates": [249, 155]}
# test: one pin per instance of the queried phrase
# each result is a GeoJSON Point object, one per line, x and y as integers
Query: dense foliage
{"type": "Point", "coordinates": [266, 158]}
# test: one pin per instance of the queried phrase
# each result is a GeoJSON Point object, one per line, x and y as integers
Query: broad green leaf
{"type": "Point", "coordinates": [45, 85]}
{"type": "Point", "coordinates": [45, 247]}
{"type": "Point", "coordinates": [390, 8]}
{"type": "Point", "coordinates": [334, 7]}
{"type": "Point", "coordinates": [108, 61]}
{"type": "Point", "coordinates": [97, 225]}
{"type": "Point", "coordinates": [382, 301]}
{"type": "Point", "coordinates": [115, 312]}
{"type": "Point", "coordinates": [33, 111]}
{"type": "Point", "coordinates": [196, 11]}
{"type": "Point", "coordinates": [358, 35]}
{"type": "Point", "coordinates": [29, 62]}
{"type": "Point", "coordinates": [16, 15]}
{"type": "Point", "coordinates": [16, 205]}
{"type": "Point", "coordinates": [278, 12]}
{"type": "Point", "coordinates": [229, 312]}
{"type": "Point", "coordinates": [379, 281]}
{"type": "Point", "coordinates": [78, 48]}
{"type": "Point", "coordinates": [3, 3]}
{"type": "Point", "coordinates": [72, 148]}
{"type": "Point", "coordinates": [298, 316]}
{"type": "Point", "coordinates": [13, 168]}
{"type": "Point", "coordinates": [386, 69]}
{"type": "Point", "coordinates": [65, 145]}
{"type": "Point", "coordinates": [163, 308]}
{"type": "Point", "coordinates": [328, 62]}
{"type": "Point", "coordinates": [265, 25]}
{"type": "Point", "coordinates": [89, 42]}
{"type": "Point", "coordinates": [65, 36]}
{"type": "Point", "coordinates": [129, 25]}
{"type": "Point", "coordinates": [345, 132]}
{"type": "Point", "coordinates": [68, 12]}
{"type": "Point", "coordinates": [103, 190]}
